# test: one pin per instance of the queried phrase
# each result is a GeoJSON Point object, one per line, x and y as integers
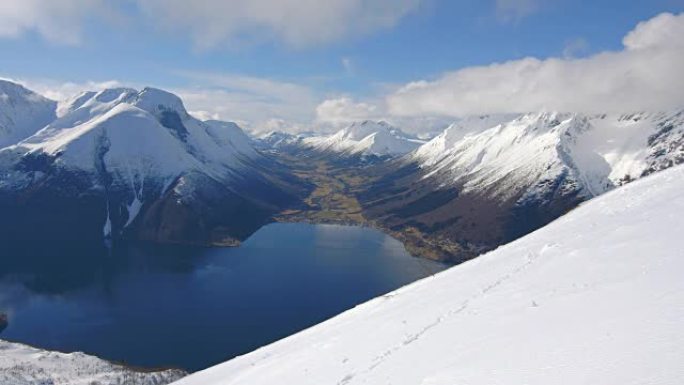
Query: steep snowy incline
{"type": "Point", "coordinates": [366, 138]}
{"type": "Point", "coordinates": [593, 298]}
{"type": "Point", "coordinates": [24, 365]}
{"type": "Point", "coordinates": [22, 112]}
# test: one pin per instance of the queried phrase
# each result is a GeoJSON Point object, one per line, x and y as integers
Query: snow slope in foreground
{"type": "Point", "coordinates": [24, 365]}
{"type": "Point", "coordinates": [596, 297]}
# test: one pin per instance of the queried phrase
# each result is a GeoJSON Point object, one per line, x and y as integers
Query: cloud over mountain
{"type": "Point", "coordinates": [644, 75]}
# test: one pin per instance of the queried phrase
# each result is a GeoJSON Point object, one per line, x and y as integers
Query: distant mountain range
{"type": "Point", "coordinates": [123, 163]}
{"type": "Point", "coordinates": [363, 140]}
{"type": "Point", "coordinates": [366, 138]}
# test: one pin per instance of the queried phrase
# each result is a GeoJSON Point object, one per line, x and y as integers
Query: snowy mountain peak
{"type": "Point", "coordinates": [275, 135]}
{"type": "Point", "coordinates": [22, 112]}
{"type": "Point", "coordinates": [96, 101]}
{"type": "Point", "coordinates": [134, 136]}
{"type": "Point", "coordinates": [141, 165]}
{"type": "Point", "coordinates": [359, 130]}
{"type": "Point", "coordinates": [67, 105]}
{"type": "Point", "coordinates": [280, 141]}
{"type": "Point", "coordinates": [10, 90]}
{"type": "Point", "coordinates": [159, 102]}
{"type": "Point", "coordinates": [366, 138]}
{"type": "Point", "coordinates": [112, 94]}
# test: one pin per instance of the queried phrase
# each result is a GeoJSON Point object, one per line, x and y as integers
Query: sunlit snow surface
{"type": "Point", "coordinates": [596, 297]}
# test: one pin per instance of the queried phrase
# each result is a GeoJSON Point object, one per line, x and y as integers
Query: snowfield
{"type": "Point", "coordinates": [24, 365]}
{"type": "Point", "coordinates": [596, 297]}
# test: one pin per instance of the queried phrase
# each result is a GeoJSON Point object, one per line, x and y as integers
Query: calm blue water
{"type": "Point", "coordinates": [189, 307]}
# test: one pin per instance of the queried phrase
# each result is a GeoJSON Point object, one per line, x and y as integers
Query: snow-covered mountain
{"type": "Point", "coordinates": [136, 135]}
{"type": "Point", "coordinates": [25, 365]}
{"type": "Point", "coordinates": [367, 138]}
{"type": "Point", "coordinates": [22, 112]}
{"type": "Point", "coordinates": [594, 154]}
{"type": "Point", "coordinates": [593, 298]}
{"type": "Point", "coordinates": [279, 140]}
{"type": "Point", "coordinates": [136, 160]}
{"type": "Point", "coordinates": [486, 181]}
{"type": "Point", "coordinates": [230, 134]}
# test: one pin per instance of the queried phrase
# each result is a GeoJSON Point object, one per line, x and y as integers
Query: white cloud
{"type": "Point", "coordinates": [282, 125]}
{"type": "Point", "coordinates": [645, 75]}
{"type": "Point", "coordinates": [515, 10]}
{"type": "Point", "coordinates": [256, 103]}
{"type": "Point", "coordinates": [345, 110]}
{"type": "Point", "coordinates": [210, 23]}
{"type": "Point", "coordinates": [204, 115]}
{"type": "Point", "coordinates": [663, 31]}
{"type": "Point", "coordinates": [334, 113]}
{"type": "Point", "coordinates": [56, 21]}
{"type": "Point", "coordinates": [252, 100]}
{"type": "Point", "coordinates": [298, 23]}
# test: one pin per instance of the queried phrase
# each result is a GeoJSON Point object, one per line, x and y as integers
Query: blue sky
{"type": "Point", "coordinates": [241, 55]}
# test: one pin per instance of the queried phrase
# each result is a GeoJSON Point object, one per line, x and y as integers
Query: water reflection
{"type": "Point", "coordinates": [191, 307]}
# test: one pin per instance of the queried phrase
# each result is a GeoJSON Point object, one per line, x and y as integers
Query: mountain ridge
{"type": "Point", "coordinates": [22, 112]}
{"type": "Point", "coordinates": [136, 159]}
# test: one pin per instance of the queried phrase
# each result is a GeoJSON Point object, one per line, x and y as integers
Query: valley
{"type": "Point", "coordinates": [334, 199]}
{"type": "Point", "coordinates": [333, 195]}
